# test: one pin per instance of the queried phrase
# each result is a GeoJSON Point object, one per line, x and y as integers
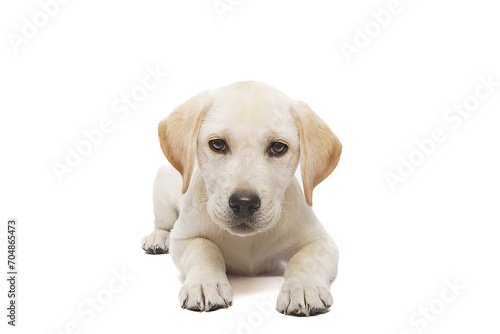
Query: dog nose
{"type": "Point", "coordinates": [244, 204]}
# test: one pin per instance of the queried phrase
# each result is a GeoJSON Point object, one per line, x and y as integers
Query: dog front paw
{"type": "Point", "coordinates": [157, 242]}
{"type": "Point", "coordinates": [209, 295]}
{"type": "Point", "coordinates": [297, 298]}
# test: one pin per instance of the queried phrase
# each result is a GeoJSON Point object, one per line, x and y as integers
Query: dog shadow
{"type": "Point", "coordinates": [249, 285]}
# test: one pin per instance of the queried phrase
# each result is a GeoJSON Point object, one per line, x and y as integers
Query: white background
{"type": "Point", "coordinates": [397, 248]}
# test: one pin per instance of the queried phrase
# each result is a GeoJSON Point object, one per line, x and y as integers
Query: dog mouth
{"type": "Point", "coordinates": [241, 226]}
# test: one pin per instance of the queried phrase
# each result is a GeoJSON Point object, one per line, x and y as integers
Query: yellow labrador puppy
{"type": "Point", "coordinates": [231, 202]}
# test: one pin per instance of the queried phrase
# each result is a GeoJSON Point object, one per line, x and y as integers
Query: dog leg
{"type": "Point", "coordinates": [308, 276]}
{"type": "Point", "coordinates": [206, 287]}
{"type": "Point", "coordinates": [166, 203]}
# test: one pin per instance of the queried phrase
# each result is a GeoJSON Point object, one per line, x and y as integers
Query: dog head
{"type": "Point", "coordinates": [247, 139]}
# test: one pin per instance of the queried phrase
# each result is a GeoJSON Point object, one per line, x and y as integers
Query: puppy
{"type": "Point", "coordinates": [229, 202]}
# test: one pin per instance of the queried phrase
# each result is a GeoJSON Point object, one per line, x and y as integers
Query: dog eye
{"type": "Point", "coordinates": [277, 149]}
{"type": "Point", "coordinates": [218, 145]}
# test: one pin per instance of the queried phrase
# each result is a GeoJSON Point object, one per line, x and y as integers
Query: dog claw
{"type": "Point", "coordinates": [199, 306]}
{"type": "Point", "coordinates": [156, 250]}
{"type": "Point", "coordinates": [184, 303]}
{"type": "Point", "coordinates": [300, 309]}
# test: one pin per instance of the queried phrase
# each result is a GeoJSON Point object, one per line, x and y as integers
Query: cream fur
{"type": "Point", "coordinates": [192, 215]}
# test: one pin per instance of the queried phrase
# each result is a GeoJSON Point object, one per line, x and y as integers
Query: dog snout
{"type": "Point", "coordinates": [244, 203]}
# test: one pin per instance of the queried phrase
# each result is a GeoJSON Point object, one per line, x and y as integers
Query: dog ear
{"type": "Point", "coordinates": [320, 148]}
{"type": "Point", "coordinates": [178, 134]}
